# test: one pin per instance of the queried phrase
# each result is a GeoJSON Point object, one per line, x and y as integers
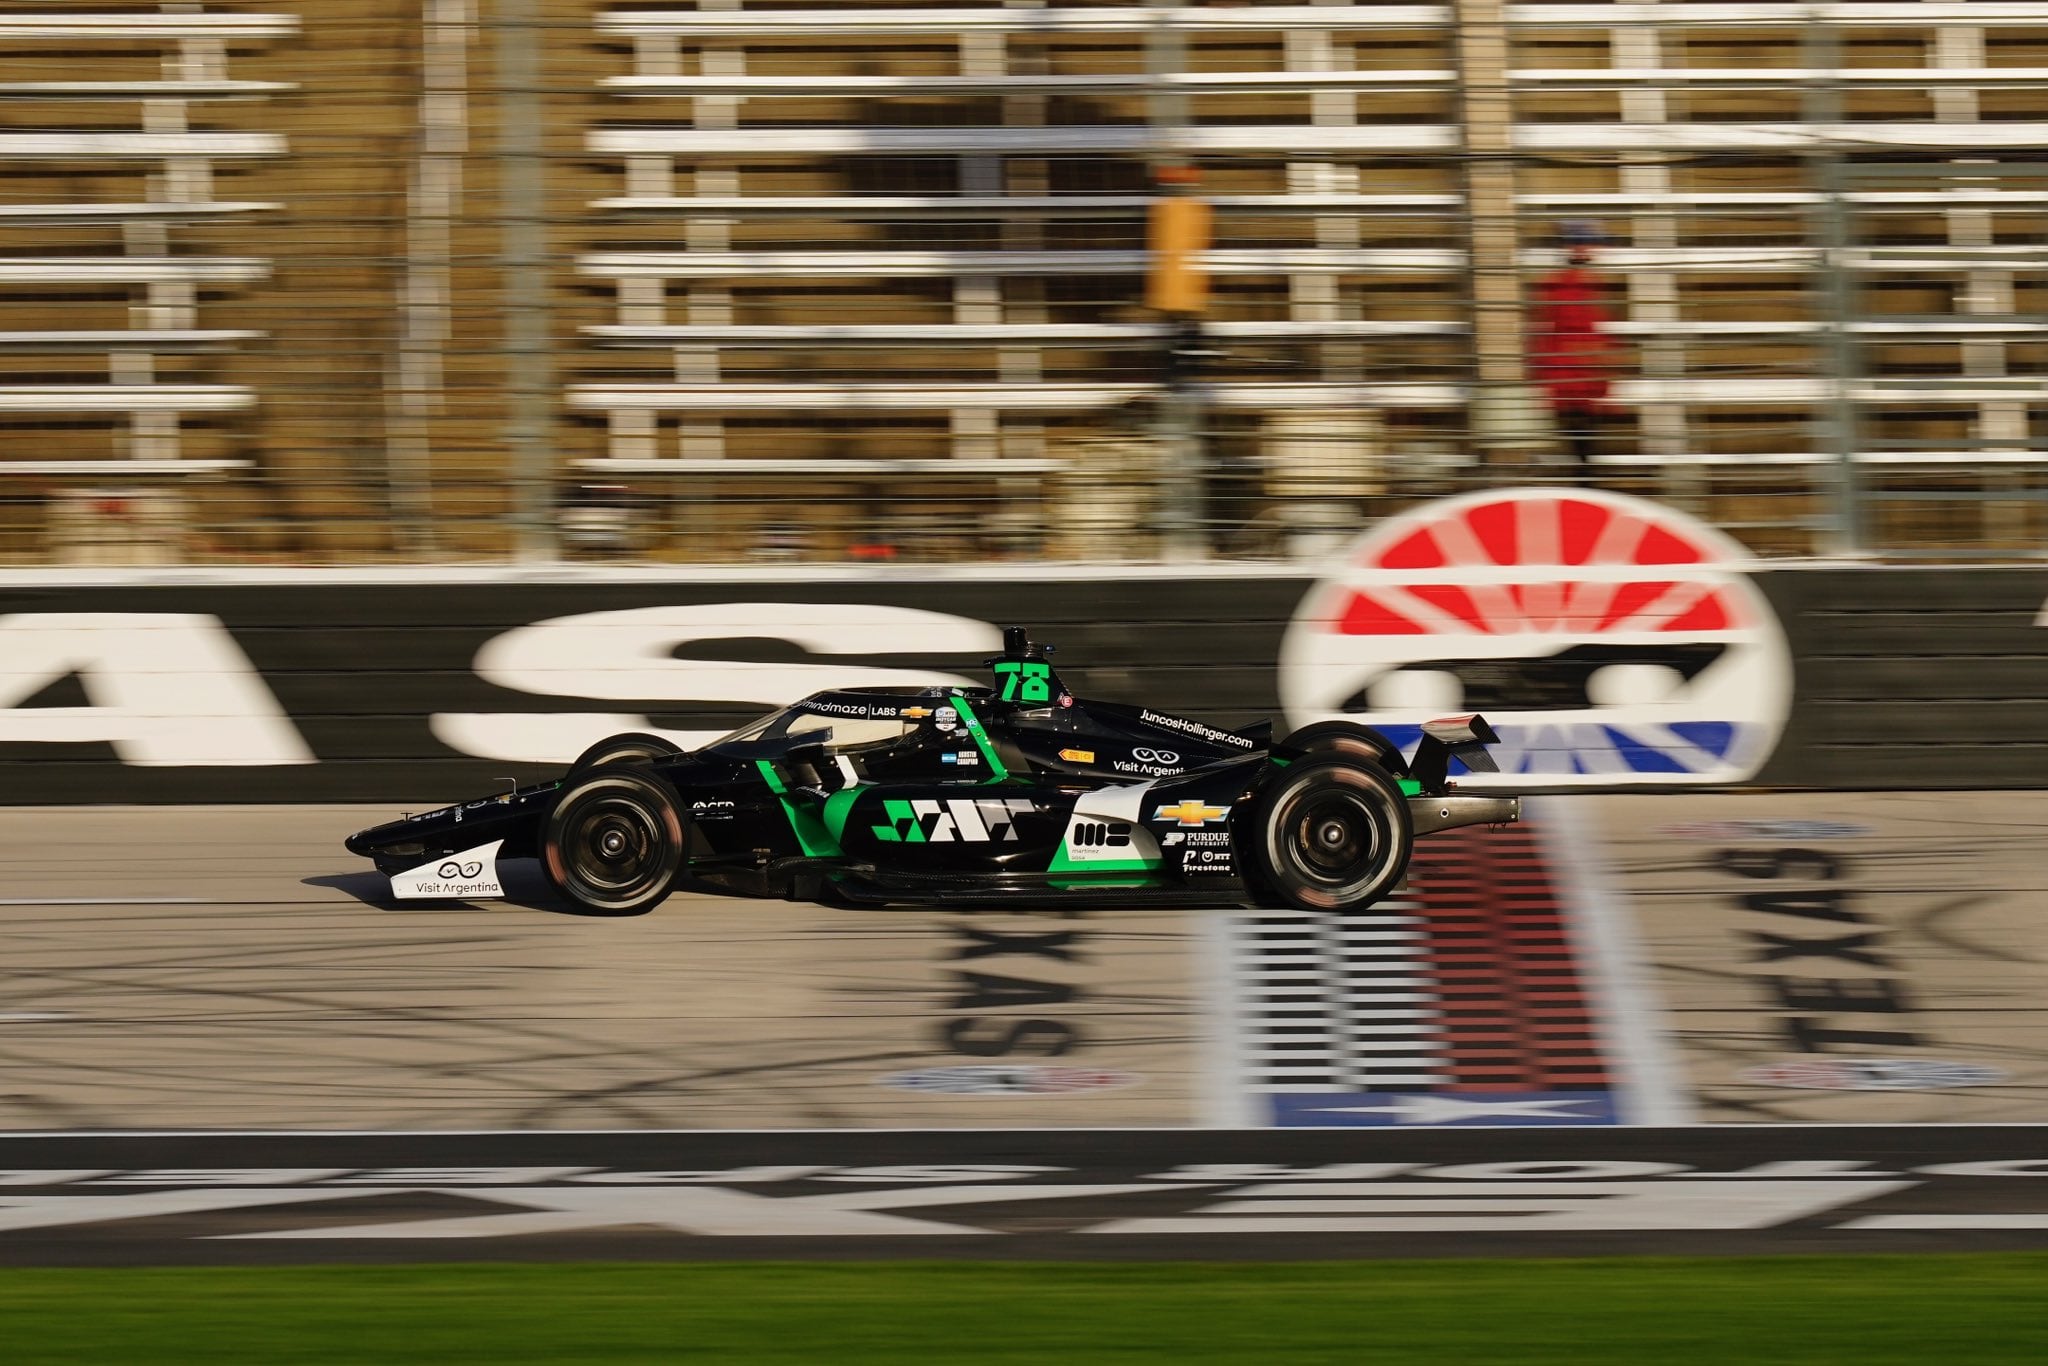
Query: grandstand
{"type": "Point", "coordinates": [817, 281]}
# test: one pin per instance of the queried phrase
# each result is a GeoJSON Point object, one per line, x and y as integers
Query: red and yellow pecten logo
{"type": "Point", "coordinates": [1191, 811]}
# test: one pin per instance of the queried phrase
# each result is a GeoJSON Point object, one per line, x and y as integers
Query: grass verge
{"type": "Point", "coordinates": [1866, 1310]}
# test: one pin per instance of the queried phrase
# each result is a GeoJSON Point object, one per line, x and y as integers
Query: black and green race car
{"type": "Point", "coordinates": [965, 795]}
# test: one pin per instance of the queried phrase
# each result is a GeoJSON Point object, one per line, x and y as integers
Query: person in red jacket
{"type": "Point", "coordinates": [1571, 356]}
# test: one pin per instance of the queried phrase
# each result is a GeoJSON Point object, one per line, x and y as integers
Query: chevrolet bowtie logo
{"type": "Point", "coordinates": [1191, 812]}
{"type": "Point", "coordinates": [917, 713]}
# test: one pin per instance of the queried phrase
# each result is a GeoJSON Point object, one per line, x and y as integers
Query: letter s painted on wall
{"type": "Point", "coordinates": [629, 656]}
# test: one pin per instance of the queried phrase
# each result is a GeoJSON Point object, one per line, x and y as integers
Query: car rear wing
{"type": "Point", "coordinates": [1463, 738]}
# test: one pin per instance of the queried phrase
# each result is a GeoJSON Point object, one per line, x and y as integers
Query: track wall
{"type": "Point", "coordinates": [134, 691]}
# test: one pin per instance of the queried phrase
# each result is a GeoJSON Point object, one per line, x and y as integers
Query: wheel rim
{"type": "Point", "coordinates": [615, 845]}
{"type": "Point", "coordinates": [1334, 838]}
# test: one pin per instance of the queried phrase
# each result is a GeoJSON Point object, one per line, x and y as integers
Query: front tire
{"type": "Point", "coordinates": [614, 842]}
{"type": "Point", "coordinates": [633, 747]}
{"type": "Point", "coordinates": [1332, 834]}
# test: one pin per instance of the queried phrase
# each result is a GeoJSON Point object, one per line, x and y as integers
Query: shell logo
{"type": "Point", "coordinates": [1610, 640]}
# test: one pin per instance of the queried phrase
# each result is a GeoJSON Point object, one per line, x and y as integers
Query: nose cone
{"type": "Point", "coordinates": [368, 843]}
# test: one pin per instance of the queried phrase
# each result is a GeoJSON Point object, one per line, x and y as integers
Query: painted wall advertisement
{"type": "Point", "coordinates": [1614, 642]}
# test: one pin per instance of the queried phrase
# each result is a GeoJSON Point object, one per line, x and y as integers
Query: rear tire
{"type": "Point", "coordinates": [1348, 737]}
{"type": "Point", "coordinates": [632, 747]}
{"type": "Point", "coordinates": [1332, 834]}
{"type": "Point", "coordinates": [614, 842]}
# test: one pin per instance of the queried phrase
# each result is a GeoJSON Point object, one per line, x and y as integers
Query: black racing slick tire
{"type": "Point", "coordinates": [614, 843]}
{"type": "Point", "coordinates": [1348, 737]}
{"type": "Point", "coordinates": [632, 747]}
{"type": "Point", "coordinates": [1332, 833]}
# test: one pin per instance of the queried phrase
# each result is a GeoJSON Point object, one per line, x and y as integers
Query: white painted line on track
{"type": "Point", "coordinates": [1950, 1221]}
{"type": "Point", "coordinates": [1221, 1097]}
{"type": "Point", "coordinates": [1652, 1088]}
{"type": "Point", "coordinates": [101, 900]}
{"type": "Point", "coordinates": [1723, 1130]}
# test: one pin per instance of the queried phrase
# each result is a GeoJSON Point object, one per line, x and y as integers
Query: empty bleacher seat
{"type": "Point", "coordinates": [146, 180]}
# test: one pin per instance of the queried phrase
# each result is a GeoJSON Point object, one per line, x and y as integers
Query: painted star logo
{"type": "Point", "coordinates": [1191, 811]}
{"type": "Point", "coordinates": [1428, 1109]}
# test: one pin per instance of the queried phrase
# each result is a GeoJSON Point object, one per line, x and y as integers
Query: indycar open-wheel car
{"type": "Point", "coordinates": [969, 796]}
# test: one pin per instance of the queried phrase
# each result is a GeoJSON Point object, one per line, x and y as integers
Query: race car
{"type": "Point", "coordinates": [965, 795]}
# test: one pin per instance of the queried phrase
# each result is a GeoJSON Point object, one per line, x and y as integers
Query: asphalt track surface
{"type": "Point", "coordinates": [715, 1081]}
{"type": "Point", "coordinates": [1207, 1195]}
{"type": "Point", "coordinates": [195, 968]}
